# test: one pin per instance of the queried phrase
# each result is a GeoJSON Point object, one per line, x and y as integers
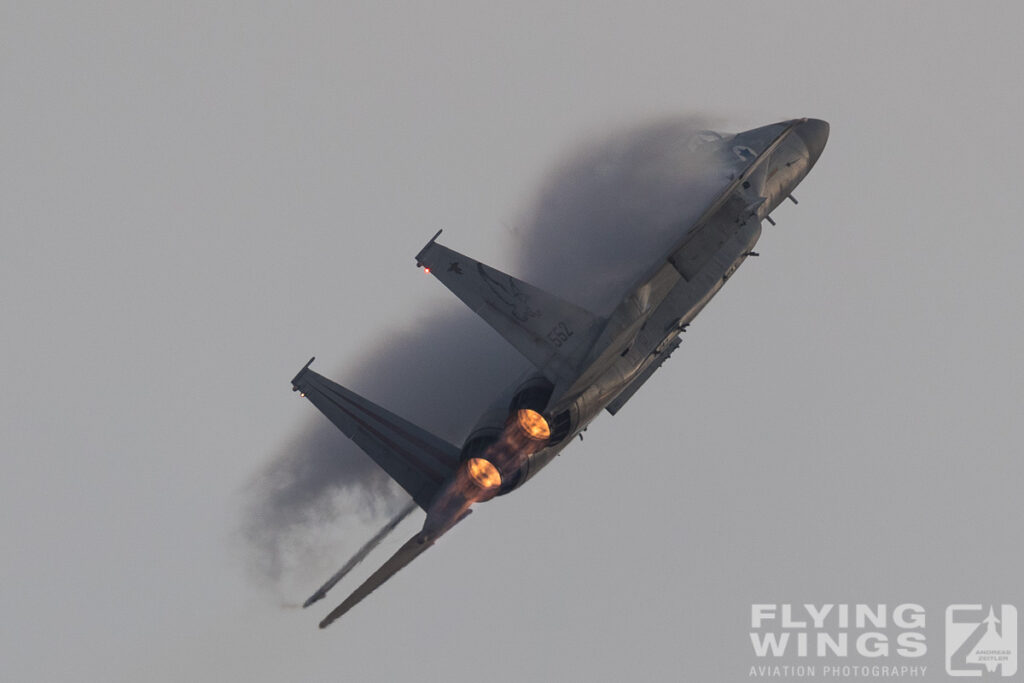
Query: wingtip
{"type": "Point", "coordinates": [301, 372]}
{"type": "Point", "coordinates": [313, 598]}
{"type": "Point", "coordinates": [419, 256]}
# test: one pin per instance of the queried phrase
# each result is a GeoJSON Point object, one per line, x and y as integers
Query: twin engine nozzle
{"type": "Point", "coordinates": [526, 432]}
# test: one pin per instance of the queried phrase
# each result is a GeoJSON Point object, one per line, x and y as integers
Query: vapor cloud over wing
{"type": "Point", "coordinates": [600, 220]}
{"type": "Point", "coordinates": [609, 209]}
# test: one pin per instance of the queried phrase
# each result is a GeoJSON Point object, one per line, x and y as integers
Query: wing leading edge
{"type": "Point", "coordinates": [420, 462]}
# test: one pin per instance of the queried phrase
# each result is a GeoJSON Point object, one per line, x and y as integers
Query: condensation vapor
{"type": "Point", "coordinates": [435, 374]}
{"type": "Point", "coordinates": [600, 220]}
{"type": "Point", "coordinates": [612, 207]}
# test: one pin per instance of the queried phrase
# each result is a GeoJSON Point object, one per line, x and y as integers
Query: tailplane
{"type": "Point", "coordinates": [406, 554]}
{"type": "Point", "coordinates": [412, 549]}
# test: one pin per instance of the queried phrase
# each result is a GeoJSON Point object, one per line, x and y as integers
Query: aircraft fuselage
{"type": "Point", "coordinates": [584, 363]}
{"type": "Point", "coordinates": [645, 326]}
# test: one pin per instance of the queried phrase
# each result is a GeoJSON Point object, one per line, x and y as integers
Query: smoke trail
{"type": "Point", "coordinates": [601, 218]}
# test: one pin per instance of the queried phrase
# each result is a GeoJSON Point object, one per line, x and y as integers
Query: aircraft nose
{"type": "Point", "coordinates": [814, 133]}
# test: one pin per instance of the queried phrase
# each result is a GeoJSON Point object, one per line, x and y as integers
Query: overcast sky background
{"type": "Point", "coordinates": [196, 197]}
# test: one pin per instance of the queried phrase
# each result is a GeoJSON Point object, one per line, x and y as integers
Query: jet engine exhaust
{"type": "Point", "coordinates": [361, 554]}
{"type": "Point", "coordinates": [483, 473]}
{"type": "Point", "coordinates": [526, 433]}
{"type": "Point", "coordinates": [533, 424]}
{"type": "Point", "coordinates": [477, 480]}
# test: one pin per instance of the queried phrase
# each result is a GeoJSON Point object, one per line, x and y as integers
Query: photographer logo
{"type": "Point", "coordinates": [981, 640]}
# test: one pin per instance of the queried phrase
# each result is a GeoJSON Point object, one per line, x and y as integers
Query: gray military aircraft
{"type": "Point", "coordinates": [584, 363]}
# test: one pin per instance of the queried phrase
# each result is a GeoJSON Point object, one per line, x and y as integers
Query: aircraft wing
{"type": "Point", "coordinates": [725, 216]}
{"type": "Point", "coordinates": [420, 462]}
{"type": "Point", "coordinates": [553, 334]}
{"type": "Point", "coordinates": [704, 241]}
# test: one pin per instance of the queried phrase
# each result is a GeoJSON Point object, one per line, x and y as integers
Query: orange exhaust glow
{"type": "Point", "coordinates": [483, 473]}
{"type": "Point", "coordinates": [533, 424]}
{"type": "Point", "coordinates": [427, 271]}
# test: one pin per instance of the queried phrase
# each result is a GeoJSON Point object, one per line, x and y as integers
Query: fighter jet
{"type": "Point", "coordinates": [584, 363]}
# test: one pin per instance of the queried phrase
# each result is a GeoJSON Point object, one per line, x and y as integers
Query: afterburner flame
{"type": "Point", "coordinates": [483, 473]}
{"type": "Point", "coordinates": [533, 424]}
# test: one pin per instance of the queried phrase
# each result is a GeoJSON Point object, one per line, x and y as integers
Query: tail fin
{"type": "Point", "coordinates": [419, 461]}
{"type": "Point", "coordinates": [553, 334]}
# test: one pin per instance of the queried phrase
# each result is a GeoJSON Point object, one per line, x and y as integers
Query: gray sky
{"type": "Point", "coordinates": [195, 198]}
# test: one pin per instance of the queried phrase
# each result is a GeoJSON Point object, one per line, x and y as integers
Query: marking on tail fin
{"type": "Point", "coordinates": [553, 334]}
{"type": "Point", "coordinates": [509, 294]}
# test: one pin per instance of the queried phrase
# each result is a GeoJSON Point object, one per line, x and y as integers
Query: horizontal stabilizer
{"type": "Point", "coordinates": [360, 554]}
{"type": "Point", "coordinates": [420, 462]}
{"type": "Point", "coordinates": [412, 549]}
{"type": "Point", "coordinates": [553, 334]}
